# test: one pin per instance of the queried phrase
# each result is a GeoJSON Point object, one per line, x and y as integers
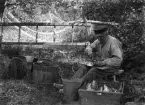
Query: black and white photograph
{"type": "Point", "coordinates": [72, 52]}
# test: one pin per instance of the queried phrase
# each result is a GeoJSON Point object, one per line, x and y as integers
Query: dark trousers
{"type": "Point", "coordinates": [88, 74]}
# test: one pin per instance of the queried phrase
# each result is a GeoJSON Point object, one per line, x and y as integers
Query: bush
{"type": "Point", "coordinates": [128, 14]}
{"type": "Point", "coordinates": [11, 50]}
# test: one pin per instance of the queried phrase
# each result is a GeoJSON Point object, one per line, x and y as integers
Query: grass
{"type": "Point", "coordinates": [23, 92]}
{"type": "Point", "coordinates": [20, 92]}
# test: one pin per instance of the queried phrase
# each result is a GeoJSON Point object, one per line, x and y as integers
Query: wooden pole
{"type": "Point", "coordinates": [143, 34]}
{"type": "Point", "coordinates": [54, 34]}
{"type": "Point", "coordinates": [72, 40]}
{"type": "Point", "coordinates": [143, 18]}
{"type": "Point", "coordinates": [19, 34]}
{"type": "Point", "coordinates": [1, 36]}
{"type": "Point", "coordinates": [49, 24]}
{"type": "Point", "coordinates": [36, 34]}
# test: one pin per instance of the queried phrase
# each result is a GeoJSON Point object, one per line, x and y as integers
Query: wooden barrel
{"type": "Point", "coordinates": [44, 73]}
{"type": "Point", "coordinates": [17, 68]}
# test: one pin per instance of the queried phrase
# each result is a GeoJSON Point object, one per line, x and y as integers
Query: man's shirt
{"type": "Point", "coordinates": [110, 53]}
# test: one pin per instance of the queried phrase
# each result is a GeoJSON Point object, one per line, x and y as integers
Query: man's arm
{"type": "Point", "coordinates": [117, 55]}
{"type": "Point", "coordinates": [91, 46]}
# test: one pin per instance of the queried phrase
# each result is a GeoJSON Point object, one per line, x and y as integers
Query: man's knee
{"type": "Point", "coordinates": [93, 69]}
{"type": "Point", "coordinates": [93, 72]}
{"type": "Point", "coordinates": [81, 71]}
{"type": "Point", "coordinates": [83, 67]}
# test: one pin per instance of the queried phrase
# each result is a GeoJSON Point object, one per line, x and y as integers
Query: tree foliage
{"type": "Point", "coordinates": [128, 13]}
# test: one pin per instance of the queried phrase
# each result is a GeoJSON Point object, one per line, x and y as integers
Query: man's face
{"type": "Point", "coordinates": [100, 36]}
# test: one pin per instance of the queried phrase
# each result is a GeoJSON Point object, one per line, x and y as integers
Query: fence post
{"type": "Point", "coordinates": [1, 36]}
{"type": "Point", "coordinates": [54, 34]}
{"type": "Point", "coordinates": [72, 40]}
{"type": "Point", "coordinates": [19, 34]}
{"type": "Point", "coordinates": [36, 33]}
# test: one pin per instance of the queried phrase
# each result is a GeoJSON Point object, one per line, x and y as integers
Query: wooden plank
{"type": "Point", "coordinates": [19, 36]}
{"type": "Point", "coordinates": [36, 24]}
{"type": "Point", "coordinates": [23, 43]}
{"type": "Point", "coordinates": [1, 38]}
{"type": "Point", "coordinates": [67, 43]}
{"type": "Point", "coordinates": [72, 36]}
{"type": "Point", "coordinates": [46, 43]}
{"type": "Point", "coordinates": [42, 45]}
{"type": "Point", "coordinates": [74, 23]}
{"type": "Point", "coordinates": [99, 22]}
{"type": "Point", "coordinates": [54, 34]}
{"type": "Point", "coordinates": [36, 34]}
{"type": "Point", "coordinates": [61, 46]}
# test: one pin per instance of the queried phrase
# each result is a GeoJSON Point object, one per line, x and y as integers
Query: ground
{"type": "Point", "coordinates": [22, 92]}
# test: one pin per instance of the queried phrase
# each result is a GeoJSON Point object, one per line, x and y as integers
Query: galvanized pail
{"type": "Point", "coordinates": [70, 91]}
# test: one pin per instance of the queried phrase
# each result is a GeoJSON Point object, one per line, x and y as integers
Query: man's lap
{"type": "Point", "coordinates": [103, 70]}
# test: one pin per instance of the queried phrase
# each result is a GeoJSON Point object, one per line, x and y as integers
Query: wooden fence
{"type": "Point", "coordinates": [3, 24]}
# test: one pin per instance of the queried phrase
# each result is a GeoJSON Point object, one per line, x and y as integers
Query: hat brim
{"type": "Point", "coordinates": [100, 30]}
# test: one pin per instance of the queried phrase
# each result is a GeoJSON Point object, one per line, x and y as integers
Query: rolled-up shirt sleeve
{"type": "Point", "coordinates": [117, 54]}
{"type": "Point", "coordinates": [93, 45]}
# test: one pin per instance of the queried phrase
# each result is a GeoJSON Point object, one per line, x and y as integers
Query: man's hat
{"type": "Point", "coordinates": [99, 28]}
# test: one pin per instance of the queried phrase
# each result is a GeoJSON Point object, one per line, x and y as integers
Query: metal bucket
{"type": "Point", "coordinates": [29, 59]}
{"type": "Point", "coordinates": [70, 91]}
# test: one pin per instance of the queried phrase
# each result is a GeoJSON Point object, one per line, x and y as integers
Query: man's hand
{"type": "Point", "coordinates": [89, 64]}
{"type": "Point", "coordinates": [88, 49]}
{"type": "Point", "coordinates": [99, 63]}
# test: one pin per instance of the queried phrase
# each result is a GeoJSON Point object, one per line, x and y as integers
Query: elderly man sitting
{"type": "Point", "coordinates": [107, 53]}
